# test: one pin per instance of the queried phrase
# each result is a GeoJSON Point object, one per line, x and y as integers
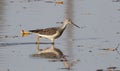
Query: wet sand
{"type": "Point", "coordinates": [93, 47]}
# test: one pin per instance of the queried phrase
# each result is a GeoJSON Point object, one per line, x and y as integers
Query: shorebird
{"type": "Point", "coordinates": [51, 33]}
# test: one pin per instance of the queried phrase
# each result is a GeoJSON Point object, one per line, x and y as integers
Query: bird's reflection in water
{"type": "Point", "coordinates": [54, 55]}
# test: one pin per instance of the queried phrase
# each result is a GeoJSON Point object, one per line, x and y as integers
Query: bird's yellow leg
{"type": "Point", "coordinates": [38, 47]}
{"type": "Point", "coordinates": [25, 33]}
{"type": "Point", "coordinates": [38, 39]}
{"type": "Point", "coordinates": [52, 40]}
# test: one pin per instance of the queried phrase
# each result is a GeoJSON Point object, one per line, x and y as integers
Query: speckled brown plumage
{"type": "Point", "coordinates": [47, 31]}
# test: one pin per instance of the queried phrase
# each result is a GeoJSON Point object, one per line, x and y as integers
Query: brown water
{"type": "Point", "coordinates": [95, 46]}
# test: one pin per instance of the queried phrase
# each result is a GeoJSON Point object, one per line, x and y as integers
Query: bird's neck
{"type": "Point", "coordinates": [63, 26]}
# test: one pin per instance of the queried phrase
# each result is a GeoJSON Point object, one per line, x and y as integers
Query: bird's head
{"type": "Point", "coordinates": [69, 21]}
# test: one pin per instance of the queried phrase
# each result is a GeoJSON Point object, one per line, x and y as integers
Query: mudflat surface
{"type": "Point", "coordinates": [93, 47]}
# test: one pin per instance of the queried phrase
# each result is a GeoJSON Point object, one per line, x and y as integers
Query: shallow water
{"type": "Point", "coordinates": [95, 46]}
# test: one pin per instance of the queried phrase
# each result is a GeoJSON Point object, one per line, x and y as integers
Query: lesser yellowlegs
{"type": "Point", "coordinates": [53, 32]}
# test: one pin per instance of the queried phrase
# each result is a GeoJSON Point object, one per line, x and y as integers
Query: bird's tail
{"type": "Point", "coordinates": [24, 33]}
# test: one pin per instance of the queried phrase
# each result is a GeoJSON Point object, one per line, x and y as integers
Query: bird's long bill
{"type": "Point", "coordinates": [75, 25]}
